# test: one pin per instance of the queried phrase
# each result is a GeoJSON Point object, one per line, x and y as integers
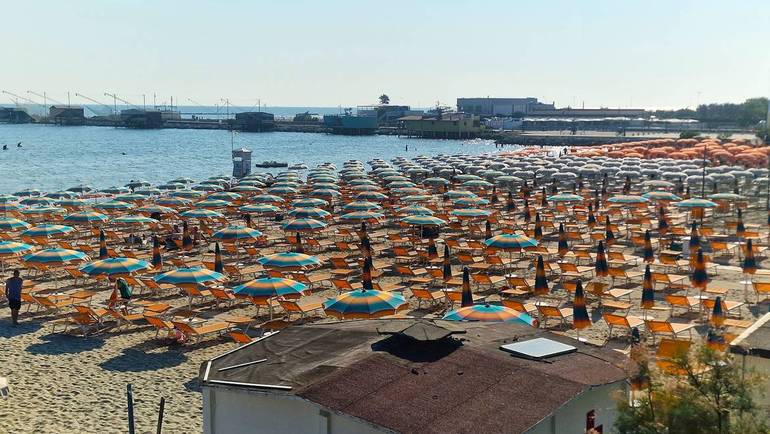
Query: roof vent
{"type": "Point", "coordinates": [538, 348]}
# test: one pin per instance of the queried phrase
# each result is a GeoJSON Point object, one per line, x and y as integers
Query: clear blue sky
{"type": "Point", "coordinates": [651, 53]}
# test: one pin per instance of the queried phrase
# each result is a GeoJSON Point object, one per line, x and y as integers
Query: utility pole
{"type": "Point", "coordinates": [144, 102]}
{"type": "Point", "coordinates": [703, 177]}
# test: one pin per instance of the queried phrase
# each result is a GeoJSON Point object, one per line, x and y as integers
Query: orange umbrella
{"type": "Point", "coordinates": [580, 318]}
{"type": "Point", "coordinates": [541, 283]}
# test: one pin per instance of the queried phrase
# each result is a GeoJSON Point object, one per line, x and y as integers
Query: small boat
{"type": "Point", "coordinates": [299, 166]}
{"type": "Point", "coordinates": [273, 163]}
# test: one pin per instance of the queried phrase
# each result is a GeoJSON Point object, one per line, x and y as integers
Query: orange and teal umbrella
{"type": "Point", "coordinates": [565, 197]}
{"type": "Point", "coordinates": [371, 195]}
{"type": "Point", "coordinates": [627, 199]}
{"type": "Point", "coordinates": [47, 230]}
{"type": "Point", "coordinates": [361, 205]}
{"type": "Point", "coordinates": [699, 278]}
{"type": "Point", "coordinates": [12, 224]}
{"type": "Point", "coordinates": [467, 295]}
{"type": "Point", "coordinates": [136, 220]}
{"type": "Point", "coordinates": [213, 203]}
{"type": "Point", "coordinates": [56, 256]}
{"type": "Point", "coordinates": [541, 282]}
{"type": "Point", "coordinates": [289, 261]}
{"type": "Point", "coordinates": [662, 222]}
{"type": "Point", "coordinates": [218, 265]}
{"type": "Point", "coordinates": [103, 254]}
{"type": "Point", "coordinates": [490, 313]}
{"type": "Point", "coordinates": [649, 255]}
{"type": "Point", "coordinates": [717, 314]}
{"type": "Point", "coordinates": [173, 201]}
{"type": "Point", "coordinates": [157, 259]}
{"type": "Point", "coordinates": [190, 276]}
{"type": "Point", "coordinates": [648, 292]}
{"type": "Point", "coordinates": [538, 227]}
{"type": "Point", "coordinates": [471, 202]}
{"type": "Point", "coordinates": [12, 248]}
{"type": "Point", "coordinates": [510, 242]}
{"type": "Point", "coordinates": [447, 271]}
{"type": "Point", "coordinates": [415, 210]}
{"type": "Point", "coordinates": [591, 222]}
{"type": "Point", "coordinates": [601, 267]}
{"type": "Point", "coordinates": [609, 235]}
{"type": "Point", "coordinates": [156, 209]}
{"type": "Point", "coordinates": [113, 205]}
{"type": "Point", "coordinates": [365, 304]}
{"type": "Point", "coordinates": [749, 262]}
{"type": "Point", "coordinates": [260, 208]}
{"type": "Point", "coordinates": [115, 266]}
{"type": "Point", "coordinates": [357, 216]}
{"type": "Point", "coordinates": [304, 225]}
{"type": "Point", "coordinates": [201, 214]}
{"type": "Point", "coordinates": [470, 213]}
{"type": "Point", "coordinates": [563, 247]}
{"type": "Point", "coordinates": [307, 213]}
{"type": "Point", "coordinates": [580, 318]}
{"type": "Point", "coordinates": [740, 228]}
{"type": "Point", "coordinates": [366, 274]}
{"type": "Point", "coordinates": [236, 233]}
{"type": "Point", "coordinates": [271, 287]}
{"type": "Point", "coordinates": [423, 220]}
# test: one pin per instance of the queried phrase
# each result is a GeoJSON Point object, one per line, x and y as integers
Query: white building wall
{"type": "Point", "coordinates": [571, 417]}
{"type": "Point", "coordinates": [242, 411]}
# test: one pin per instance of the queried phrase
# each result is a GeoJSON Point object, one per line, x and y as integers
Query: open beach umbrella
{"type": "Point", "coordinates": [5, 207]}
{"type": "Point", "coordinates": [565, 197]}
{"type": "Point", "coordinates": [601, 267]}
{"type": "Point", "coordinates": [311, 213]}
{"type": "Point", "coordinates": [157, 259]}
{"type": "Point", "coordinates": [304, 225]}
{"type": "Point", "coordinates": [193, 276]}
{"type": "Point", "coordinates": [423, 220]}
{"type": "Point", "coordinates": [47, 230]}
{"type": "Point", "coordinates": [699, 278]}
{"type": "Point", "coordinates": [662, 222]}
{"type": "Point", "coordinates": [269, 287]}
{"type": "Point", "coordinates": [648, 292]}
{"type": "Point", "coordinates": [37, 200]}
{"type": "Point", "coordinates": [649, 255]}
{"type": "Point", "coordinates": [470, 213]}
{"type": "Point", "coordinates": [213, 203]}
{"type": "Point", "coordinates": [113, 205]}
{"type": "Point", "coordinates": [72, 203]}
{"type": "Point", "coordinates": [364, 304]}
{"type": "Point", "coordinates": [218, 265]}
{"type": "Point", "coordinates": [173, 201]}
{"type": "Point", "coordinates": [538, 232]}
{"type": "Point", "coordinates": [447, 267]}
{"type": "Point", "coordinates": [137, 220]}
{"type": "Point", "coordinates": [103, 253]}
{"type": "Point", "coordinates": [415, 210]}
{"type": "Point", "coordinates": [467, 295]}
{"type": "Point", "coordinates": [357, 216]}
{"type": "Point", "coordinates": [156, 209]}
{"type": "Point", "coordinates": [749, 262]}
{"type": "Point", "coordinates": [115, 266]}
{"type": "Point", "coordinates": [695, 203]}
{"type": "Point", "coordinates": [563, 247]}
{"type": "Point", "coordinates": [236, 234]}
{"type": "Point", "coordinates": [541, 282]}
{"type": "Point", "coordinates": [12, 224]}
{"type": "Point", "coordinates": [12, 248]}
{"type": "Point", "coordinates": [717, 314]}
{"type": "Point", "coordinates": [290, 261]}
{"type": "Point", "coordinates": [510, 242]}
{"type": "Point", "coordinates": [87, 217]}
{"type": "Point", "coordinates": [490, 313]}
{"type": "Point", "coordinates": [580, 318]}
{"type": "Point", "coordinates": [201, 214]}
{"type": "Point", "coordinates": [309, 202]}
{"type": "Point", "coordinates": [661, 196]}
{"type": "Point", "coordinates": [56, 256]}
{"type": "Point", "coordinates": [627, 199]}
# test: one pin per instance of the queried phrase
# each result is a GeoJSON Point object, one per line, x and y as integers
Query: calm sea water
{"type": "Point", "coordinates": [55, 158]}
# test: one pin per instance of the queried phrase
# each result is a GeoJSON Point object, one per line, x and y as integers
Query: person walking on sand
{"type": "Point", "coordinates": [13, 294]}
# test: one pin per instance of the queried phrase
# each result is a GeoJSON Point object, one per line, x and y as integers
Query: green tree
{"type": "Point", "coordinates": [702, 392]}
{"type": "Point", "coordinates": [384, 99]}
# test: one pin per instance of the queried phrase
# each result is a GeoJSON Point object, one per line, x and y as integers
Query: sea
{"type": "Point", "coordinates": [53, 158]}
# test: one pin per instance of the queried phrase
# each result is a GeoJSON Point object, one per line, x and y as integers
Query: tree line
{"type": "Point", "coordinates": [746, 114]}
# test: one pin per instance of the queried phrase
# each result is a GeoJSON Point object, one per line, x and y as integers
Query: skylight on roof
{"type": "Point", "coordinates": [538, 348]}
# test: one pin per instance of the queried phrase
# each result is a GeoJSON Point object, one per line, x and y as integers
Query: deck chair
{"type": "Point", "coordinates": [562, 314]}
{"type": "Point", "coordinates": [122, 319]}
{"type": "Point", "coordinates": [52, 304]}
{"type": "Point", "coordinates": [667, 351]}
{"type": "Point", "coordinates": [456, 297]}
{"type": "Point", "coordinates": [627, 322]}
{"type": "Point", "coordinates": [222, 295]}
{"type": "Point", "coordinates": [528, 308]}
{"type": "Point", "coordinates": [303, 308]}
{"type": "Point", "coordinates": [159, 323]}
{"type": "Point", "coordinates": [518, 286]}
{"type": "Point", "coordinates": [343, 285]}
{"type": "Point", "coordinates": [201, 331]}
{"type": "Point", "coordinates": [418, 276]}
{"type": "Point", "coordinates": [658, 327]}
{"type": "Point", "coordinates": [619, 273]}
{"type": "Point", "coordinates": [485, 280]}
{"type": "Point", "coordinates": [728, 306]}
{"type": "Point", "coordinates": [573, 271]}
{"type": "Point", "coordinates": [761, 289]}
{"type": "Point", "coordinates": [428, 296]}
{"type": "Point", "coordinates": [682, 301]}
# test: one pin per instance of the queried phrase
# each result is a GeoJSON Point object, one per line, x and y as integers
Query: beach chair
{"type": "Point", "coordinates": [619, 273]}
{"type": "Point", "coordinates": [573, 271]}
{"type": "Point", "coordinates": [682, 301]}
{"type": "Point", "coordinates": [428, 296]}
{"type": "Point", "coordinates": [670, 282]}
{"type": "Point", "coordinates": [53, 304]}
{"type": "Point", "coordinates": [728, 306]}
{"type": "Point", "coordinates": [222, 295]}
{"type": "Point", "coordinates": [456, 297]}
{"type": "Point", "coordinates": [546, 312]}
{"type": "Point", "coordinates": [669, 350]}
{"type": "Point", "coordinates": [124, 320]}
{"type": "Point", "coordinates": [418, 276]}
{"type": "Point", "coordinates": [518, 286]}
{"type": "Point", "coordinates": [303, 308]}
{"type": "Point", "coordinates": [627, 322]}
{"type": "Point", "coordinates": [159, 323]}
{"type": "Point", "coordinates": [313, 280]}
{"type": "Point", "coordinates": [201, 331]}
{"type": "Point", "coordinates": [659, 327]}
{"type": "Point", "coordinates": [761, 289]}
{"type": "Point", "coordinates": [528, 308]}
{"type": "Point", "coordinates": [487, 281]}
{"type": "Point", "coordinates": [343, 285]}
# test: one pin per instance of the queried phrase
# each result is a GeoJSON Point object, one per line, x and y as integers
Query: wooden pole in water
{"type": "Point", "coordinates": [130, 398]}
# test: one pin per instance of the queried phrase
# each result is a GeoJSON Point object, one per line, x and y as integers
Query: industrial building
{"type": "Point", "coordinates": [442, 126]}
{"type": "Point", "coordinates": [388, 115]}
{"type": "Point", "coordinates": [488, 107]}
{"type": "Point", "coordinates": [67, 115]}
{"type": "Point", "coordinates": [143, 119]}
{"type": "Point", "coordinates": [12, 115]}
{"type": "Point", "coordinates": [347, 124]}
{"type": "Point", "coordinates": [254, 122]}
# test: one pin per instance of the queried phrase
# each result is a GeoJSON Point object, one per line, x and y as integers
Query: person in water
{"type": "Point", "coordinates": [18, 145]}
{"type": "Point", "coordinates": [5, 147]}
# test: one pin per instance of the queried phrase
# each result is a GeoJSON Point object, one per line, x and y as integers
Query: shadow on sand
{"type": "Point", "coordinates": [56, 343]}
{"type": "Point", "coordinates": [138, 359]}
{"type": "Point", "coordinates": [8, 331]}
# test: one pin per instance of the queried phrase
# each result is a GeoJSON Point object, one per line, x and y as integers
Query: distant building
{"type": "Point", "coordinates": [488, 107]}
{"type": "Point", "coordinates": [349, 125]}
{"type": "Point", "coordinates": [443, 126]}
{"type": "Point", "coordinates": [410, 376]}
{"type": "Point", "coordinates": [67, 115]}
{"type": "Point", "coordinates": [388, 115]}
{"type": "Point", "coordinates": [589, 112]}
{"type": "Point", "coordinates": [12, 115]}
{"type": "Point", "coordinates": [254, 122]}
{"type": "Point", "coordinates": [143, 119]}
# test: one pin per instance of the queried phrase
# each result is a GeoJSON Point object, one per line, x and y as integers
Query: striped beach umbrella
{"type": "Point", "coordinates": [188, 194]}
{"type": "Point", "coordinates": [695, 203]}
{"type": "Point", "coordinates": [628, 199]}
{"type": "Point", "coordinates": [309, 202]}
{"type": "Point", "coordinates": [541, 282]}
{"type": "Point", "coordinates": [662, 222]}
{"type": "Point", "coordinates": [415, 210]}
{"type": "Point", "coordinates": [116, 190]}
{"type": "Point", "coordinates": [9, 206]}
{"type": "Point", "coordinates": [361, 205]}
{"type": "Point", "coordinates": [602, 269]}
{"type": "Point", "coordinates": [267, 198]}
{"type": "Point", "coordinates": [580, 318]}
{"type": "Point", "coordinates": [85, 217]}
{"type": "Point", "coordinates": [563, 246]}
{"type": "Point", "coordinates": [365, 304]}
{"type": "Point", "coordinates": [490, 313]}
{"type": "Point", "coordinates": [609, 235]}
{"type": "Point", "coordinates": [156, 209]}
{"type": "Point", "coordinates": [137, 220]}
{"type": "Point", "coordinates": [236, 233]}
{"type": "Point", "coordinates": [115, 266]}
{"type": "Point", "coordinates": [8, 198]}
{"type": "Point", "coordinates": [131, 197]}
{"type": "Point", "coordinates": [227, 196]}
{"type": "Point", "coordinates": [423, 220]}
{"type": "Point", "coordinates": [538, 232]}
{"type": "Point", "coordinates": [56, 256]}
{"type": "Point", "coordinates": [28, 192]}
{"type": "Point", "coordinates": [37, 201]}
{"type": "Point", "coordinates": [47, 230]}
{"type": "Point", "coordinates": [466, 296]}
{"type": "Point", "coordinates": [565, 197]}
{"type": "Point", "coordinates": [43, 210]}
{"type": "Point", "coordinates": [749, 262]}
{"type": "Point", "coordinates": [740, 228]}
{"type": "Point", "coordinates": [12, 248]}
{"type": "Point", "coordinates": [189, 277]}
{"type": "Point", "coordinates": [366, 274]}
{"type": "Point", "coordinates": [201, 214]}
{"type": "Point", "coordinates": [358, 216]}
{"type": "Point", "coordinates": [510, 242]}
{"type": "Point", "coordinates": [218, 264]}
{"type": "Point", "coordinates": [470, 213]}
{"type": "Point", "coordinates": [457, 194]}
{"type": "Point", "coordinates": [157, 259]}
{"type": "Point", "coordinates": [648, 291]}
{"type": "Point", "coordinates": [212, 204]}
{"type": "Point", "coordinates": [717, 314]}
{"type": "Point", "coordinates": [527, 212]}
{"type": "Point", "coordinates": [304, 225]}
{"type": "Point", "coordinates": [269, 287]}
{"type": "Point", "coordinates": [61, 195]}
{"type": "Point", "coordinates": [649, 255]}
{"type": "Point", "coordinates": [310, 213]}
{"type": "Point", "coordinates": [471, 202]}
{"type": "Point", "coordinates": [113, 205]}
{"type": "Point", "coordinates": [12, 224]}
{"type": "Point", "coordinates": [666, 196]}
{"type": "Point", "coordinates": [447, 266]}
{"type": "Point", "coordinates": [290, 261]}
{"type": "Point", "coordinates": [245, 188]}
{"type": "Point", "coordinates": [371, 196]}
{"type": "Point", "coordinates": [259, 208]}
{"type": "Point", "coordinates": [699, 278]}
{"type": "Point", "coordinates": [103, 253]}
{"type": "Point", "coordinates": [171, 201]}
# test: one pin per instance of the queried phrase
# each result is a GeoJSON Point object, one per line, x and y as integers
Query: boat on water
{"type": "Point", "coordinates": [298, 166]}
{"type": "Point", "coordinates": [273, 163]}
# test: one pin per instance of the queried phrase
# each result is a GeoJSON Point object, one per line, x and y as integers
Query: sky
{"type": "Point", "coordinates": [647, 54]}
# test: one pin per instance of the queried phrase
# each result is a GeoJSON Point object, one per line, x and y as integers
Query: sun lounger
{"type": "Point", "coordinates": [201, 331]}
{"type": "Point", "coordinates": [302, 307]}
{"type": "Point", "coordinates": [546, 312]}
{"type": "Point", "coordinates": [657, 327]}
{"type": "Point", "coordinates": [627, 322]}
{"type": "Point", "coordinates": [426, 295]}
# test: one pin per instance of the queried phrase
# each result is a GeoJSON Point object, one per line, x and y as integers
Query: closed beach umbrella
{"type": "Point", "coordinates": [187, 241]}
{"type": "Point", "coordinates": [364, 304]}
{"type": "Point", "coordinates": [649, 256]}
{"type": "Point", "coordinates": [103, 254]}
{"type": "Point", "coordinates": [298, 244]}
{"type": "Point", "coordinates": [648, 293]}
{"type": "Point", "coordinates": [591, 222]}
{"type": "Point", "coordinates": [510, 205]}
{"type": "Point", "coordinates": [699, 278]}
{"type": "Point", "coordinates": [467, 295]}
{"type": "Point", "coordinates": [366, 247]}
{"type": "Point", "coordinates": [489, 313]}
{"type": "Point", "coordinates": [580, 318]}
{"type": "Point", "coordinates": [366, 274]}
{"type": "Point", "coordinates": [601, 267]}
{"type": "Point", "coordinates": [271, 287]}
{"type": "Point", "coordinates": [157, 259]}
{"type": "Point", "coordinates": [563, 247]}
{"type": "Point", "coordinates": [447, 271]}
{"type": "Point", "coordinates": [488, 229]}
{"type": "Point", "coordinates": [740, 228]}
{"type": "Point", "coordinates": [662, 222]}
{"type": "Point", "coordinates": [609, 235]}
{"type": "Point", "coordinates": [218, 265]}
{"type": "Point", "coordinates": [749, 262]}
{"type": "Point", "coordinates": [541, 282]}
{"type": "Point", "coordinates": [544, 199]}
{"type": "Point", "coordinates": [115, 266]}
{"type": "Point", "coordinates": [527, 213]}
{"type": "Point", "coordinates": [538, 232]}
{"type": "Point", "coordinates": [717, 314]}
